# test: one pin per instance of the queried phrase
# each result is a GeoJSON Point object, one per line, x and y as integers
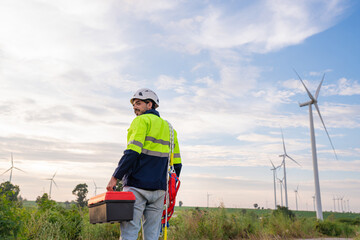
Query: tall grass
{"type": "Point", "coordinates": [55, 221]}
{"type": "Point", "coordinates": [197, 224]}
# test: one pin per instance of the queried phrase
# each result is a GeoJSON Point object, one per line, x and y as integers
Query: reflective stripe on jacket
{"type": "Point", "coordinates": [144, 163]}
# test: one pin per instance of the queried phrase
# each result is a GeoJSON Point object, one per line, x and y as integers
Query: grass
{"type": "Point", "coordinates": [260, 212]}
{"type": "Point", "coordinates": [221, 223]}
{"type": "Point", "coordinates": [64, 221]}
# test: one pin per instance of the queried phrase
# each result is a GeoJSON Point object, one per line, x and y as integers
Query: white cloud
{"type": "Point", "coordinates": [345, 87]}
{"type": "Point", "coordinates": [166, 82]}
{"type": "Point", "coordinates": [278, 24]}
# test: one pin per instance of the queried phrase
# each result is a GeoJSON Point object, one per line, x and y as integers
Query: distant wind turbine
{"type": "Point", "coordinates": [284, 156]}
{"type": "Point", "coordinates": [314, 202]}
{"type": "Point", "coordinates": [313, 101]}
{"type": "Point", "coordinates": [281, 187]}
{"type": "Point", "coordinates": [296, 195]}
{"type": "Point", "coordinates": [342, 206]}
{"type": "Point", "coordinates": [274, 176]}
{"type": "Point", "coordinates": [51, 181]}
{"type": "Point", "coordinates": [11, 168]}
{"type": "Point", "coordinates": [95, 187]}
{"type": "Point", "coordinates": [208, 195]}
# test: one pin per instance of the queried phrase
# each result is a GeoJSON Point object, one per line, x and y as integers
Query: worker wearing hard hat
{"type": "Point", "coordinates": [143, 167]}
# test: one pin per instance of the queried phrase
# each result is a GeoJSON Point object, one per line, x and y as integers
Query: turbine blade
{"type": "Point", "coordinates": [55, 184]}
{"type": "Point", "coordinates": [318, 110]}
{"type": "Point", "coordinates": [282, 135]}
{"type": "Point", "coordinates": [6, 171]}
{"type": "Point", "coordinates": [272, 165]}
{"type": "Point", "coordinates": [318, 89]}
{"type": "Point", "coordinates": [19, 169]}
{"type": "Point", "coordinates": [307, 90]}
{"type": "Point", "coordinates": [293, 160]}
{"type": "Point", "coordinates": [54, 174]}
{"type": "Point", "coordinates": [12, 160]}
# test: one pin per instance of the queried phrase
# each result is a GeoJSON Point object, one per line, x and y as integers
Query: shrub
{"type": "Point", "coordinates": [10, 218]}
{"type": "Point", "coordinates": [328, 228]}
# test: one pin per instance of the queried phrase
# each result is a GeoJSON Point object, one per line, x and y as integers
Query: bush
{"type": "Point", "coordinates": [10, 218]}
{"type": "Point", "coordinates": [52, 221]}
{"type": "Point", "coordinates": [328, 228]}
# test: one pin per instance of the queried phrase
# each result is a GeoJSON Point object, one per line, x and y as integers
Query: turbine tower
{"type": "Point", "coordinates": [281, 187]}
{"type": "Point", "coordinates": [296, 195]}
{"type": "Point", "coordinates": [11, 168]}
{"type": "Point", "coordinates": [208, 195]}
{"type": "Point", "coordinates": [274, 176]}
{"type": "Point", "coordinates": [51, 181]}
{"type": "Point", "coordinates": [284, 156]}
{"type": "Point", "coordinates": [314, 202]}
{"type": "Point", "coordinates": [313, 101]}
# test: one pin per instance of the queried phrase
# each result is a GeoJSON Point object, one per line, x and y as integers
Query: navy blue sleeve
{"type": "Point", "coordinates": [126, 163]}
{"type": "Point", "coordinates": [177, 168]}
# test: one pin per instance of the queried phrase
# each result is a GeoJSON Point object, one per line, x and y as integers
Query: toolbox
{"type": "Point", "coordinates": [111, 206]}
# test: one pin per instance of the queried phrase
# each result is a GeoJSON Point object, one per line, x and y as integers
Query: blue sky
{"type": "Point", "coordinates": [224, 73]}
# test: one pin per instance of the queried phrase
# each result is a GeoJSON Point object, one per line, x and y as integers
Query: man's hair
{"type": "Point", "coordinates": [153, 103]}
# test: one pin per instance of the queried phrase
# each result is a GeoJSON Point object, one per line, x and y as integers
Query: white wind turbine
{"type": "Point", "coordinates": [51, 181]}
{"type": "Point", "coordinates": [96, 187]}
{"type": "Point", "coordinates": [313, 100]}
{"type": "Point", "coordinates": [314, 202]}
{"type": "Point", "coordinates": [274, 176]}
{"type": "Point", "coordinates": [11, 168]}
{"type": "Point", "coordinates": [296, 195]}
{"type": "Point", "coordinates": [284, 156]}
{"type": "Point", "coordinates": [281, 187]}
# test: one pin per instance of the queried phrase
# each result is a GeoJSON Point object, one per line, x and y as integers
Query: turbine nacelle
{"type": "Point", "coordinates": [307, 103]}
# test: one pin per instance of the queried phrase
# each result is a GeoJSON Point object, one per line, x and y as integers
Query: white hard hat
{"type": "Point", "coordinates": [144, 94]}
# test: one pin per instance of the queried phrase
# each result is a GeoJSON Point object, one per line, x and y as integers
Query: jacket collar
{"type": "Point", "coordinates": [152, 111]}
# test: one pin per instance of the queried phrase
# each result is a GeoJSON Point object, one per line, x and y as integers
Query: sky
{"type": "Point", "coordinates": [225, 75]}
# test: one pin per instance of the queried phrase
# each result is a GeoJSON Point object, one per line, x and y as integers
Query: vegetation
{"type": "Point", "coordinates": [47, 219]}
{"type": "Point", "coordinates": [81, 191]}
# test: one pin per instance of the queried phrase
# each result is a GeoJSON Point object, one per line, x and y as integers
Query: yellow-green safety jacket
{"type": "Point", "coordinates": [145, 160]}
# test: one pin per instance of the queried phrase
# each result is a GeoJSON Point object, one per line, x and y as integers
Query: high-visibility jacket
{"type": "Point", "coordinates": [145, 160]}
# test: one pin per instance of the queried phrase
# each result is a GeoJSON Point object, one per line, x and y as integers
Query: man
{"type": "Point", "coordinates": [143, 167]}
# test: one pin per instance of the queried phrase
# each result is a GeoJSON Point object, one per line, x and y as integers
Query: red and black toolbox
{"type": "Point", "coordinates": [111, 206]}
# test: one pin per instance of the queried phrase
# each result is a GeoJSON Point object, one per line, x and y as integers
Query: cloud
{"type": "Point", "coordinates": [166, 82]}
{"type": "Point", "coordinates": [345, 87]}
{"type": "Point", "coordinates": [278, 24]}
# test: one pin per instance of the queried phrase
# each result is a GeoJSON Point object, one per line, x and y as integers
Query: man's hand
{"type": "Point", "coordinates": [111, 184]}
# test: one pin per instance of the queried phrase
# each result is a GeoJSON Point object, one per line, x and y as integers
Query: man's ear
{"type": "Point", "coordinates": [149, 106]}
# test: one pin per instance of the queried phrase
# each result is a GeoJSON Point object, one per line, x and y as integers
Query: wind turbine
{"type": "Point", "coordinates": [314, 202]}
{"type": "Point", "coordinates": [274, 176]}
{"type": "Point", "coordinates": [11, 168]}
{"type": "Point", "coordinates": [296, 195]}
{"type": "Point", "coordinates": [334, 203]}
{"type": "Point", "coordinates": [51, 181]}
{"type": "Point", "coordinates": [95, 187]}
{"type": "Point", "coordinates": [342, 206]}
{"type": "Point", "coordinates": [208, 195]}
{"type": "Point", "coordinates": [281, 186]}
{"type": "Point", "coordinates": [313, 100]}
{"type": "Point", "coordinates": [284, 155]}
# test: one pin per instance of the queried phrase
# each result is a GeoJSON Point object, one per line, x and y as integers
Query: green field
{"type": "Point", "coordinates": [59, 220]}
{"type": "Point", "coordinates": [260, 212]}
